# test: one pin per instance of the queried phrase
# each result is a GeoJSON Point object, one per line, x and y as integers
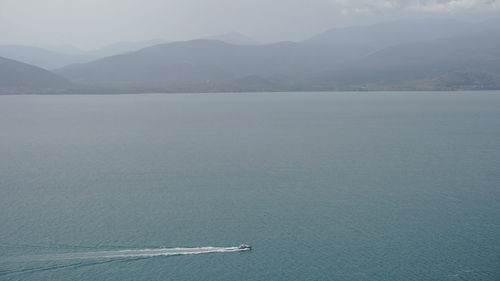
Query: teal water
{"type": "Point", "coordinates": [324, 186]}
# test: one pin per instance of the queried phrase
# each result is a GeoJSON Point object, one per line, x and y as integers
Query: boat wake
{"type": "Point", "coordinates": [91, 258]}
{"type": "Point", "coordinates": [138, 253]}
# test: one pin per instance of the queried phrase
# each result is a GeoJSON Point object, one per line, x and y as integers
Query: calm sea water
{"type": "Point", "coordinates": [324, 186]}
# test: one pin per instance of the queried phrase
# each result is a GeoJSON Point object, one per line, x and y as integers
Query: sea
{"type": "Point", "coordinates": [323, 186]}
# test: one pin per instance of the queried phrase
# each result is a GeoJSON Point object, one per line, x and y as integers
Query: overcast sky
{"type": "Point", "coordinates": [93, 23]}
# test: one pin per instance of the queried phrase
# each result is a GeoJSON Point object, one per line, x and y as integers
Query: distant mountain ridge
{"type": "Point", "coordinates": [404, 55]}
{"type": "Point", "coordinates": [56, 57]}
{"type": "Point", "coordinates": [234, 38]}
{"type": "Point", "coordinates": [325, 62]}
{"type": "Point", "coordinates": [49, 60]}
{"type": "Point", "coordinates": [124, 47]}
{"type": "Point", "coordinates": [426, 65]}
{"type": "Point", "coordinates": [41, 57]}
{"type": "Point", "coordinates": [358, 41]}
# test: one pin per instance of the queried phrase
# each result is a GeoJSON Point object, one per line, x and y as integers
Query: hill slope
{"type": "Point", "coordinates": [17, 77]}
{"type": "Point", "coordinates": [191, 65]}
{"type": "Point", "coordinates": [461, 62]}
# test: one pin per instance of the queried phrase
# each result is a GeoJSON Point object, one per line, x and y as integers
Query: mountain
{"type": "Point", "coordinates": [191, 65]}
{"type": "Point", "coordinates": [382, 57]}
{"type": "Point", "coordinates": [123, 47]}
{"type": "Point", "coordinates": [461, 62]}
{"type": "Point", "coordinates": [50, 59]}
{"type": "Point", "coordinates": [352, 42]}
{"type": "Point", "coordinates": [67, 49]}
{"type": "Point", "coordinates": [393, 32]}
{"type": "Point", "coordinates": [17, 77]}
{"type": "Point", "coordinates": [41, 57]}
{"type": "Point", "coordinates": [234, 38]}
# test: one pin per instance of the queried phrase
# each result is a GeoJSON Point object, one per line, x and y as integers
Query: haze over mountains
{"type": "Point", "coordinates": [401, 55]}
{"type": "Point", "coordinates": [235, 38]}
{"type": "Point", "coordinates": [57, 57]}
{"type": "Point", "coordinates": [41, 57]}
{"type": "Point", "coordinates": [50, 59]}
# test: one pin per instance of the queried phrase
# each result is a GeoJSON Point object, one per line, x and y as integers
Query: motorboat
{"type": "Point", "coordinates": [244, 247]}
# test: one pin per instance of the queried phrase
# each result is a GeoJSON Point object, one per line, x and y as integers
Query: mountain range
{"type": "Point", "coordinates": [60, 56]}
{"type": "Point", "coordinates": [402, 55]}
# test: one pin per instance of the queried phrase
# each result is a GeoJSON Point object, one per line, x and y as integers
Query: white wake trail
{"type": "Point", "coordinates": [137, 253]}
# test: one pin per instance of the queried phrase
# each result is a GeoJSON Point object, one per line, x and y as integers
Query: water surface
{"type": "Point", "coordinates": [325, 186]}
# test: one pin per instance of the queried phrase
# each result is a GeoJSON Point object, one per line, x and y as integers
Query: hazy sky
{"type": "Point", "coordinates": [93, 23]}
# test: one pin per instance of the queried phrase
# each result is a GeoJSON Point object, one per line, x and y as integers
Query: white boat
{"type": "Point", "coordinates": [244, 247]}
